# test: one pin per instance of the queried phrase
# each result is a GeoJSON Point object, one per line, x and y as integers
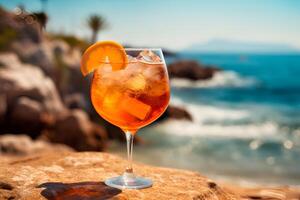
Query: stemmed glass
{"type": "Point", "coordinates": [132, 98]}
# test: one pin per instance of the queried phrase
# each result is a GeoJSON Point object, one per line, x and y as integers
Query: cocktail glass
{"type": "Point", "coordinates": [132, 98]}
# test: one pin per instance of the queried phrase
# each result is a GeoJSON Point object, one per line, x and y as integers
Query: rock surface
{"type": "Point", "coordinates": [20, 145]}
{"type": "Point", "coordinates": [175, 112]}
{"type": "Point", "coordinates": [77, 131]}
{"type": "Point", "coordinates": [31, 104]}
{"type": "Point", "coordinates": [28, 96]}
{"type": "Point", "coordinates": [191, 70]}
{"type": "Point", "coordinates": [18, 79]}
{"type": "Point", "coordinates": [80, 176]}
{"type": "Point", "coordinates": [26, 28]}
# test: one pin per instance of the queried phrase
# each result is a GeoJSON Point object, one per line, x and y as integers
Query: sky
{"type": "Point", "coordinates": [175, 24]}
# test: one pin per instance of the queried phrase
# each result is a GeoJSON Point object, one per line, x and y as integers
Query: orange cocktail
{"type": "Point", "coordinates": [132, 97]}
{"type": "Point", "coordinates": [130, 89]}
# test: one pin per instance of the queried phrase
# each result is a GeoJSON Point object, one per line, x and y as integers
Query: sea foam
{"type": "Point", "coordinates": [208, 121]}
{"type": "Point", "coordinates": [220, 79]}
{"type": "Point", "coordinates": [247, 131]}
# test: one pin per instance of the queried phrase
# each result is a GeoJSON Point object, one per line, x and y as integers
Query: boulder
{"type": "Point", "coordinates": [76, 101]}
{"type": "Point", "coordinates": [34, 106]}
{"type": "Point", "coordinates": [54, 57]}
{"type": "Point", "coordinates": [76, 130]}
{"type": "Point", "coordinates": [26, 109]}
{"type": "Point", "coordinates": [21, 145]}
{"type": "Point", "coordinates": [30, 81]}
{"type": "Point", "coordinates": [30, 98]}
{"type": "Point", "coordinates": [26, 115]}
{"type": "Point", "coordinates": [174, 112]}
{"type": "Point", "coordinates": [190, 69]}
{"type": "Point", "coordinates": [40, 55]}
{"type": "Point", "coordinates": [9, 60]}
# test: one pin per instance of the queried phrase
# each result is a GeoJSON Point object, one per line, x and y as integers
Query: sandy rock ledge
{"type": "Point", "coordinates": [72, 175]}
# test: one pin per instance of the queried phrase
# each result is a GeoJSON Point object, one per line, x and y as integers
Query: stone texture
{"type": "Point", "coordinates": [31, 104]}
{"type": "Point", "coordinates": [191, 70]}
{"type": "Point", "coordinates": [20, 23]}
{"type": "Point", "coordinates": [76, 101]}
{"type": "Point", "coordinates": [30, 81]}
{"type": "Point", "coordinates": [36, 54]}
{"type": "Point", "coordinates": [81, 176]}
{"type": "Point", "coordinates": [72, 176]}
{"type": "Point", "coordinates": [29, 97]}
{"type": "Point", "coordinates": [20, 145]}
{"type": "Point", "coordinates": [76, 130]}
{"type": "Point", "coordinates": [175, 112]}
{"type": "Point", "coordinates": [26, 114]}
{"type": "Point", "coordinates": [266, 193]}
{"type": "Point", "coordinates": [3, 107]}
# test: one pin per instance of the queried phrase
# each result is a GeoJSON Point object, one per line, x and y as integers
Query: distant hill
{"type": "Point", "coordinates": [236, 46]}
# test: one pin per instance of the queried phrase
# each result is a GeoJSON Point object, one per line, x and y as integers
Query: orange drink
{"type": "Point", "coordinates": [132, 97]}
{"type": "Point", "coordinates": [130, 89]}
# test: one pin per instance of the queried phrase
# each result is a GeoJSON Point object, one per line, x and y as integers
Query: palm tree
{"type": "Point", "coordinates": [96, 23]}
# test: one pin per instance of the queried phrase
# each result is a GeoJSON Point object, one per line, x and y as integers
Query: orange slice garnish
{"type": "Point", "coordinates": [103, 52]}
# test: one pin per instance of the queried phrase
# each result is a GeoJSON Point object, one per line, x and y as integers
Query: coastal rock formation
{"type": "Point", "coordinates": [18, 79]}
{"type": "Point", "coordinates": [22, 145]}
{"type": "Point", "coordinates": [77, 131]}
{"type": "Point", "coordinates": [28, 95]}
{"type": "Point", "coordinates": [190, 69]}
{"type": "Point", "coordinates": [21, 25]}
{"type": "Point", "coordinates": [36, 54]}
{"type": "Point", "coordinates": [30, 103]}
{"type": "Point", "coordinates": [52, 56]}
{"type": "Point", "coordinates": [174, 112]}
{"type": "Point", "coordinates": [81, 175]}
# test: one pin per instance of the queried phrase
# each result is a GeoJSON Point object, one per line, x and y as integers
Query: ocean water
{"type": "Point", "coordinates": [246, 122]}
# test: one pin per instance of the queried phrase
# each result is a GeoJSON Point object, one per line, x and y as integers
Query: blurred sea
{"type": "Point", "coordinates": [246, 126]}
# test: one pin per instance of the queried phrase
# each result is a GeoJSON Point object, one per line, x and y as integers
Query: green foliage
{"type": "Point", "coordinates": [7, 36]}
{"type": "Point", "coordinates": [71, 40]}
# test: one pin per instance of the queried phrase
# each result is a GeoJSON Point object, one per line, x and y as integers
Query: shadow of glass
{"type": "Point", "coordinates": [78, 191]}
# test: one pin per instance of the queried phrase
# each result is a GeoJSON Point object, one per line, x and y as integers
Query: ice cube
{"type": "Point", "coordinates": [131, 59]}
{"type": "Point", "coordinates": [134, 68]}
{"type": "Point", "coordinates": [136, 82]}
{"type": "Point", "coordinates": [148, 56]}
{"type": "Point", "coordinates": [135, 107]}
{"type": "Point", "coordinates": [111, 99]}
{"type": "Point", "coordinates": [110, 81]}
{"type": "Point", "coordinates": [154, 72]}
{"type": "Point", "coordinates": [157, 88]}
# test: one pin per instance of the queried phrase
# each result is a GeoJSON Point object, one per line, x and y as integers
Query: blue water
{"type": "Point", "coordinates": [246, 122]}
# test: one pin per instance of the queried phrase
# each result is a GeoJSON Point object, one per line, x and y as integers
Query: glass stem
{"type": "Point", "coordinates": [129, 140]}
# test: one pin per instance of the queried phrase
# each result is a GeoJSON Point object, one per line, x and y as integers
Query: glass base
{"type": "Point", "coordinates": [128, 181]}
